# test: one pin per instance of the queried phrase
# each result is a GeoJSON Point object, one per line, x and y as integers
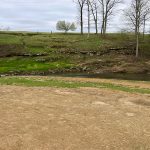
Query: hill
{"type": "Point", "coordinates": [23, 53]}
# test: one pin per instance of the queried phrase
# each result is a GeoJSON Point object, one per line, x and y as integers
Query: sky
{"type": "Point", "coordinates": [41, 15]}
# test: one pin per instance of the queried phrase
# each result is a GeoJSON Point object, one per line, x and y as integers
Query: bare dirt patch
{"type": "Point", "coordinates": [10, 50]}
{"type": "Point", "coordinates": [36, 118]}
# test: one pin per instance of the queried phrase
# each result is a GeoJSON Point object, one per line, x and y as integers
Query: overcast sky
{"type": "Point", "coordinates": [40, 15]}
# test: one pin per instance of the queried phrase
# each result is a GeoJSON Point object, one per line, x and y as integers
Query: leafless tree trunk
{"type": "Point", "coordinates": [80, 4]}
{"type": "Point", "coordinates": [137, 26]}
{"type": "Point", "coordinates": [94, 10]}
{"type": "Point", "coordinates": [103, 15]}
{"type": "Point", "coordinates": [144, 24]}
{"type": "Point", "coordinates": [88, 9]}
{"type": "Point", "coordinates": [96, 19]}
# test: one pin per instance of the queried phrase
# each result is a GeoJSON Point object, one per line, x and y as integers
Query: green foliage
{"type": "Point", "coordinates": [65, 26]}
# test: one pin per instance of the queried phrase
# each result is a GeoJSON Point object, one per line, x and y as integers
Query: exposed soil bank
{"type": "Point", "coordinates": [97, 66]}
{"type": "Point", "coordinates": [77, 74]}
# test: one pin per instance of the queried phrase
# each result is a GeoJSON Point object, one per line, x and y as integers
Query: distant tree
{"type": "Point", "coordinates": [146, 17]}
{"type": "Point", "coordinates": [65, 26]}
{"type": "Point", "coordinates": [2, 28]}
{"type": "Point", "coordinates": [7, 29]}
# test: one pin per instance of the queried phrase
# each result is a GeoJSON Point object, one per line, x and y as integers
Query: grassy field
{"type": "Point", "coordinates": [42, 52]}
{"type": "Point", "coordinates": [51, 82]}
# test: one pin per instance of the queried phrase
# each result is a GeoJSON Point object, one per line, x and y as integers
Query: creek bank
{"type": "Point", "coordinates": [84, 69]}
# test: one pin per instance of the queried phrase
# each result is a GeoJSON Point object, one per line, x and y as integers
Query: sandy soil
{"type": "Point", "coordinates": [38, 118]}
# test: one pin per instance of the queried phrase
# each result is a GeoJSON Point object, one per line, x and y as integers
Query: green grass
{"type": "Point", "coordinates": [75, 41]}
{"type": "Point", "coordinates": [51, 44]}
{"type": "Point", "coordinates": [22, 81]}
{"type": "Point", "coordinates": [9, 39]}
{"type": "Point", "coordinates": [31, 64]}
{"type": "Point", "coordinates": [40, 41]}
{"type": "Point", "coordinates": [43, 43]}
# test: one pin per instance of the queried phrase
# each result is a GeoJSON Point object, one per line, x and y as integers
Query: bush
{"type": "Point", "coordinates": [65, 26]}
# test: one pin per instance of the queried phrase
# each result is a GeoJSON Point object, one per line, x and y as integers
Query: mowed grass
{"type": "Point", "coordinates": [51, 82]}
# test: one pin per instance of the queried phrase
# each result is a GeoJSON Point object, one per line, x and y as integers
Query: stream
{"type": "Point", "coordinates": [122, 76]}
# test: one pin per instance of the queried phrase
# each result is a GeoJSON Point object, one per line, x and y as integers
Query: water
{"type": "Point", "coordinates": [122, 76]}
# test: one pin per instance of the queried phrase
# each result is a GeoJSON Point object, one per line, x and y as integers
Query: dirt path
{"type": "Point", "coordinates": [73, 119]}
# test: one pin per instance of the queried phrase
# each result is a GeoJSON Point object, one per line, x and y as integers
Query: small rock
{"type": "Point", "coordinates": [85, 68]}
{"type": "Point", "coordinates": [2, 75]}
{"type": "Point", "coordinates": [130, 114]}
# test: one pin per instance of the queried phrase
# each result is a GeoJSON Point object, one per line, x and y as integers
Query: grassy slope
{"type": "Point", "coordinates": [51, 44]}
{"type": "Point", "coordinates": [69, 84]}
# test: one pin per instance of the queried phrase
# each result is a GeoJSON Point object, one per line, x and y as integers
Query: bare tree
{"type": "Point", "coordinates": [107, 9]}
{"type": "Point", "coordinates": [137, 15]}
{"type": "Point", "coordinates": [146, 17]}
{"type": "Point", "coordinates": [94, 10]}
{"type": "Point", "coordinates": [88, 10]}
{"type": "Point", "coordinates": [80, 5]}
{"type": "Point", "coordinates": [2, 28]}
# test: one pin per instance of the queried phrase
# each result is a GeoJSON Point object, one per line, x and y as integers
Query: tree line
{"type": "Point", "coordinates": [102, 11]}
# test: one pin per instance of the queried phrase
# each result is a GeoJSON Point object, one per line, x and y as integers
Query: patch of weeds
{"type": "Point", "coordinates": [30, 64]}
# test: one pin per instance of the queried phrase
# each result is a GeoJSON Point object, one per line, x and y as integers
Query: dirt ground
{"type": "Point", "coordinates": [43, 118]}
